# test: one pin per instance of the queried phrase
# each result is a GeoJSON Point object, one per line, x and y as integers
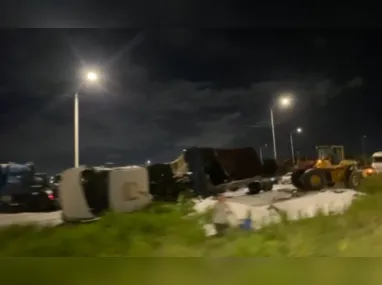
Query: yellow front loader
{"type": "Point", "coordinates": [330, 169]}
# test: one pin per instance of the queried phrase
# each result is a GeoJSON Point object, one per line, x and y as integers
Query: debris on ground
{"type": "Point", "coordinates": [286, 202]}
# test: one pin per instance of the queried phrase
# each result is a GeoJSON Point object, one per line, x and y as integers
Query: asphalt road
{"type": "Point", "coordinates": [54, 218]}
{"type": "Point", "coordinates": [44, 219]}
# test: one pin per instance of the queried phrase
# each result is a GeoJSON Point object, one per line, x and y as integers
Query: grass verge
{"type": "Point", "coordinates": [162, 230]}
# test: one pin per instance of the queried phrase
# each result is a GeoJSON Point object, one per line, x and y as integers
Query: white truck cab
{"type": "Point", "coordinates": [85, 193]}
{"type": "Point", "coordinates": [376, 161]}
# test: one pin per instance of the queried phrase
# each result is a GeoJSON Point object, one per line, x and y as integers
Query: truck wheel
{"type": "Point", "coordinates": [352, 179]}
{"type": "Point", "coordinates": [313, 180]}
{"type": "Point", "coordinates": [268, 186]}
{"type": "Point", "coordinates": [44, 205]}
{"type": "Point", "coordinates": [254, 188]}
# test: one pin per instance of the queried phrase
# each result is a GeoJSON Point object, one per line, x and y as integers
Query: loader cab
{"type": "Point", "coordinates": [333, 153]}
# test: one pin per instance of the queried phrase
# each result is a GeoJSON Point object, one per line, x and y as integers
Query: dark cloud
{"type": "Point", "coordinates": [327, 89]}
{"type": "Point", "coordinates": [162, 90]}
{"type": "Point", "coordinates": [157, 119]}
{"type": "Point", "coordinates": [85, 13]}
{"type": "Point", "coordinates": [218, 132]}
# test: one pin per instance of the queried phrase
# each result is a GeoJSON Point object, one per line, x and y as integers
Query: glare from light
{"type": "Point", "coordinates": [299, 130]}
{"type": "Point", "coordinates": [285, 101]}
{"type": "Point", "coordinates": [148, 162]}
{"type": "Point", "coordinates": [92, 76]}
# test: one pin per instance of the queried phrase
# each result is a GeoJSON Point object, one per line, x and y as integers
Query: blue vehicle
{"type": "Point", "coordinates": [22, 189]}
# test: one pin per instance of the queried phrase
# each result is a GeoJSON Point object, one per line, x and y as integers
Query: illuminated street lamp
{"type": "Point", "coordinates": [284, 101]}
{"type": "Point", "coordinates": [90, 77]}
{"type": "Point", "coordinates": [297, 131]}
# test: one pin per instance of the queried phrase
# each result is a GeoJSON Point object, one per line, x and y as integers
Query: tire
{"type": "Point", "coordinates": [295, 178]}
{"type": "Point", "coordinates": [352, 179]}
{"type": "Point", "coordinates": [268, 186]}
{"type": "Point", "coordinates": [55, 206]}
{"type": "Point", "coordinates": [254, 188]}
{"type": "Point", "coordinates": [45, 205]}
{"type": "Point", "coordinates": [313, 180]}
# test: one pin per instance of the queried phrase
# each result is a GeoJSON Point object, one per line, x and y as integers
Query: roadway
{"type": "Point", "coordinates": [43, 219]}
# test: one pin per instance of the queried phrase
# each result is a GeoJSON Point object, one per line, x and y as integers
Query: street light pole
{"type": "Point", "coordinates": [273, 135]}
{"type": "Point", "coordinates": [76, 132]}
{"type": "Point", "coordinates": [363, 145]}
{"type": "Point", "coordinates": [298, 131]}
{"type": "Point", "coordinates": [285, 102]}
{"type": "Point", "coordinates": [291, 145]}
{"type": "Point", "coordinates": [91, 77]}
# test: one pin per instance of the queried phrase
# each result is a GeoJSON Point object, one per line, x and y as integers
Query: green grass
{"type": "Point", "coordinates": [162, 230]}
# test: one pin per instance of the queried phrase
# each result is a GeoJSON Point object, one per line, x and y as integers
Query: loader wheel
{"type": "Point", "coordinates": [295, 178]}
{"type": "Point", "coordinates": [313, 180]}
{"type": "Point", "coordinates": [352, 179]}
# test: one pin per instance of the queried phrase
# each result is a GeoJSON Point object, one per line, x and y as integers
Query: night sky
{"type": "Point", "coordinates": [165, 89]}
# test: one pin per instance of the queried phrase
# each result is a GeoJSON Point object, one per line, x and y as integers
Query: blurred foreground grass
{"type": "Point", "coordinates": [190, 271]}
{"type": "Point", "coordinates": [163, 231]}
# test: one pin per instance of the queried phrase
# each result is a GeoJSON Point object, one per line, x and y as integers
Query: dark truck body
{"type": "Point", "coordinates": [213, 170]}
{"type": "Point", "coordinates": [204, 171]}
{"type": "Point", "coordinates": [21, 188]}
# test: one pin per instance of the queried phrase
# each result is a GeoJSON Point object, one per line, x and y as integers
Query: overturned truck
{"type": "Point", "coordinates": [87, 192]}
{"type": "Point", "coordinates": [213, 170]}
